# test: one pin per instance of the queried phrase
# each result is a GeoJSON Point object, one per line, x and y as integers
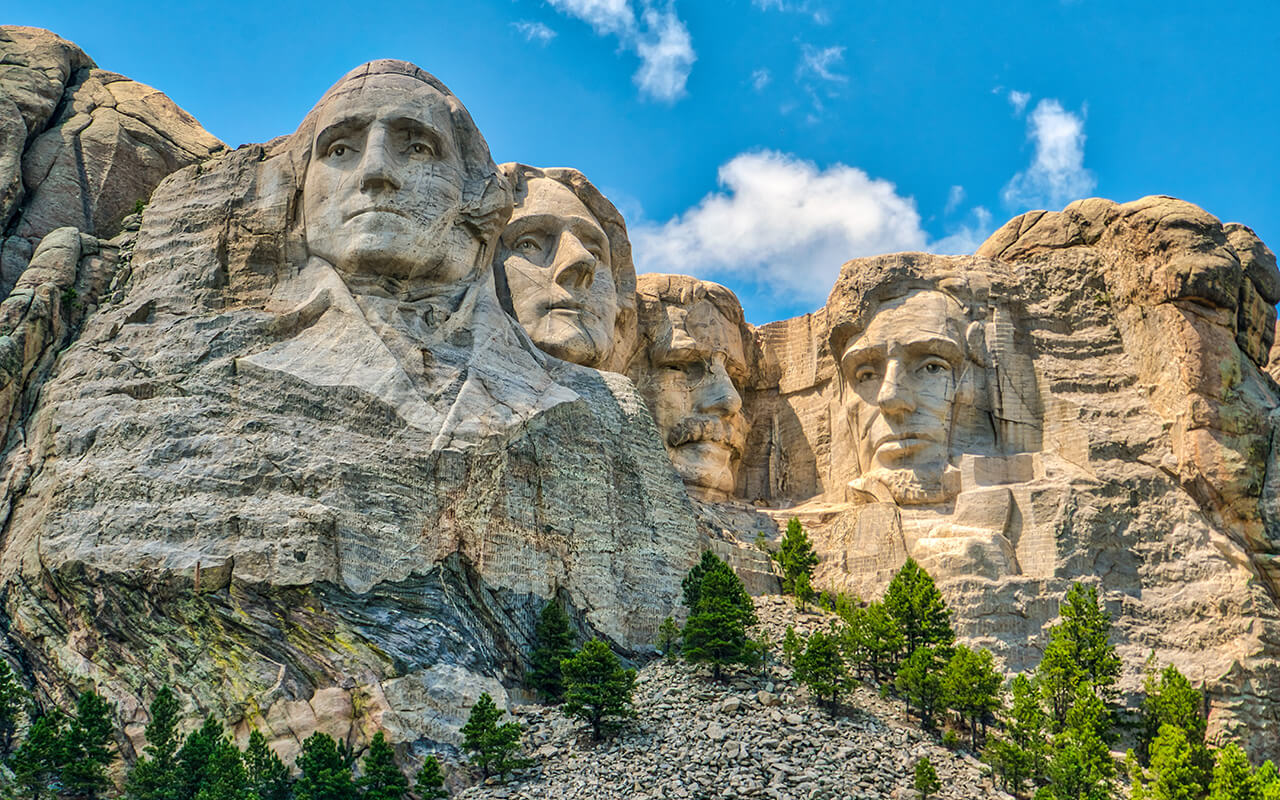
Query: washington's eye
{"type": "Point", "coordinates": [420, 148]}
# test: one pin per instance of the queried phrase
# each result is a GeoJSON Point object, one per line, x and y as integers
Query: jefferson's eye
{"type": "Point", "coordinates": [338, 150]}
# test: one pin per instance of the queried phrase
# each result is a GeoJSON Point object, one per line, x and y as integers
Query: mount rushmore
{"type": "Point", "coordinates": [316, 435]}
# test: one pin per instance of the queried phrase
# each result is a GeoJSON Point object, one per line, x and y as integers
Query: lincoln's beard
{"type": "Point", "coordinates": [934, 484]}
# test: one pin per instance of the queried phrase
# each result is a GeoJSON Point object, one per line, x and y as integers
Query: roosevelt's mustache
{"type": "Point", "coordinates": [728, 432]}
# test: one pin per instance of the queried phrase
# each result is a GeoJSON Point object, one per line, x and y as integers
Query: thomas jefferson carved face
{"type": "Point", "coordinates": [902, 375]}
{"type": "Point", "coordinates": [385, 182]}
{"type": "Point", "coordinates": [555, 256]}
{"type": "Point", "coordinates": [690, 379]}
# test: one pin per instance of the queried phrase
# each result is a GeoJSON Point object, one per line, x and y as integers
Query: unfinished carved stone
{"type": "Point", "coordinates": [689, 366]}
{"type": "Point", "coordinates": [564, 265]}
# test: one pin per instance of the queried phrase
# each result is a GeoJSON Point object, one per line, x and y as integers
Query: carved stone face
{"type": "Point", "coordinates": [902, 373]}
{"type": "Point", "coordinates": [555, 256]}
{"type": "Point", "coordinates": [384, 184]}
{"type": "Point", "coordinates": [691, 384]}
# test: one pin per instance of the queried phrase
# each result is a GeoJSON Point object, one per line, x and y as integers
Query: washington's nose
{"type": "Point", "coordinates": [377, 170]}
{"type": "Point", "coordinates": [575, 266]}
{"type": "Point", "coordinates": [717, 395]}
{"type": "Point", "coordinates": [894, 397]}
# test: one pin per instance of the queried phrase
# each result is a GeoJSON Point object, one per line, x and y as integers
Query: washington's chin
{"type": "Point", "coordinates": [562, 333]}
{"type": "Point", "coordinates": [705, 467]}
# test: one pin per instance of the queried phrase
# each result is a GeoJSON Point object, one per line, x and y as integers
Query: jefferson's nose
{"type": "Point", "coordinates": [377, 168]}
{"type": "Point", "coordinates": [717, 394]}
{"type": "Point", "coordinates": [574, 266]}
{"type": "Point", "coordinates": [894, 397]}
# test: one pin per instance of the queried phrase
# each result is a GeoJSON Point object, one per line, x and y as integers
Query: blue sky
{"type": "Point", "coordinates": [761, 143]}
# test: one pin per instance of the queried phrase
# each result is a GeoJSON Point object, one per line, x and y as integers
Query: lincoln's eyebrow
{"type": "Point", "coordinates": [859, 353]}
{"type": "Point", "coordinates": [339, 128]}
{"type": "Point", "coordinates": [939, 345]}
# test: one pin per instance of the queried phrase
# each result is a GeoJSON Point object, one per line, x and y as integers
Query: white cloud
{"type": "Point", "coordinates": [964, 239]}
{"type": "Point", "coordinates": [1019, 101]}
{"type": "Point", "coordinates": [819, 14]}
{"type": "Point", "coordinates": [820, 63]}
{"type": "Point", "coordinates": [534, 31]}
{"type": "Point", "coordinates": [954, 198]}
{"type": "Point", "coordinates": [760, 78]}
{"type": "Point", "coordinates": [1057, 174]}
{"type": "Point", "coordinates": [659, 37]}
{"type": "Point", "coordinates": [782, 223]}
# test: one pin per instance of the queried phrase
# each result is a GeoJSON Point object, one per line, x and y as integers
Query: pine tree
{"type": "Point", "coordinates": [692, 582]}
{"type": "Point", "coordinates": [919, 682]}
{"type": "Point", "coordinates": [267, 776]}
{"type": "Point", "coordinates": [87, 748]}
{"type": "Point", "coordinates": [873, 641]}
{"type": "Point", "coordinates": [1233, 777]}
{"type": "Point", "coordinates": [716, 632]}
{"type": "Point", "coordinates": [915, 603]}
{"type": "Point", "coordinates": [821, 667]}
{"type": "Point", "coordinates": [39, 759]}
{"type": "Point", "coordinates": [492, 745]}
{"type": "Point", "coordinates": [381, 778]}
{"type": "Point", "coordinates": [429, 784]}
{"type": "Point", "coordinates": [971, 687]}
{"type": "Point", "coordinates": [597, 688]}
{"type": "Point", "coordinates": [1170, 700]}
{"type": "Point", "coordinates": [155, 775]}
{"type": "Point", "coordinates": [926, 778]}
{"type": "Point", "coordinates": [1018, 756]}
{"type": "Point", "coordinates": [796, 557]}
{"type": "Point", "coordinates": [803, 591]}
{"type": "Point", "coordinates": [1080, 767]}
{"type": "Point", "coordinates": [225, 777]}
{"type": "Point", "coordinates": [1078, 653]}
{"type": "Point", "coordinates": [792, 645]}
{"type": "Point", "coordinates": [324, 771]}
{"type": "Point", "coordinates": [668, 639]}
{"type": "Point", "coordinates": [552, 643]}
{"type": "Point", "coordinates": [12, 698]}
{"type": "Point", "coordinates": [1177, 772]}
{"type": "Point", "coordinates": [1267, 781]}
{"type": "Point", "coordinates": [194, 756]}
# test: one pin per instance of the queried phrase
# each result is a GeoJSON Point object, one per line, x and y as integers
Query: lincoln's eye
{"type": "Point", "coordinates": [864, 373]}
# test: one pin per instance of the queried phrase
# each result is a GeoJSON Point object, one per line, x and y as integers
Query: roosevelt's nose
{"type": "Point", "coordinates": [574, 266]}
{"type": "Point", "coordinates": [377, 170]}
{"type": "Point", "coordinates": [717, 395]}
{"type": "Point", "coordinates": [895, 397]}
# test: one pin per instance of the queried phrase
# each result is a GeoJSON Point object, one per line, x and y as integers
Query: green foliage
{"type": "Point", "coordinates": [1170, 700]}
{"type": "Point", "coordinates": [12, 698]}
{"type": "Point", "coordinates": [1080, 767]}
{"type": "Point", "coordinates": [821, 667]}
{"type": "Point", "coordinates": [155, 775]}
{"type": "Point", "coordinates": [668, 639]}
{"type": "Point", "coordinates": [1267, 781]}
{"type": "Point", "coordinates": [1233, 777]}
{"type": "Point", "coordinates": [796, 558]}
{"type": "Point", "coordinates": [267, 776]}
{"type": "Point", "coordinates": [1078, 653]}
{"type": "Point", "coordinates": [971, 687]}
{"type": "Point", "coordinates": [692, 582]}
{"type": "Point", "coordinates": [225, 776]}
{"type": "Point", "coordinates": [139, 206]}
{"type": "Point", "coordinates": [792, 645]}
{"type": "Point", "coordinates": [430, 782]}
{"type": "Point", "coordinates": [915, 603]}
{"type": "Point", "coordinates": [1019, 755]}
{"type": "Point", "coordinates": [86, 748]}
{"type": "Point", "coordinates": [381, 779]}
{"type": "Point", "coordinates": [803, 591]}
{"type": "Point", "coordinates": [919, 682]}
{"type": "Point", "coordinates": [597, 687]}
{"type": "Point", "coordinates": [926, 778]}
{"type": "Point", "coordinates": [1177, 768]}
{"type": "Point", "coordinates": [492, 745]}
{"type": "Point", "coordinates": [950, 740]}
{"type": "Point", "coordinates": [873, 641]}
{"type": "Point", "coordinates": [552, 643]}
{"type": "Point", "coordinates": [39, 759]}
{"type": "Point", "coordinates": [324, 771]}
{"type": "Point", "coordinates": [716, 632]}
{"type": "Point", "coordinates": [193, 758]}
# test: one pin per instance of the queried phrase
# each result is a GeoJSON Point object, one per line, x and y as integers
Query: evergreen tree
{"type": "Point", "coordinates": [87, 748]}
{"type": "Point", "coordinates": [926, 778]}
{"type": "Point", "coordinates": [668, 639]}
{"type": "Point", "coordinates": [1177, 772]}
{"type": "Point", "coordinates": [224, 776]}
{"type": "Point", "coordinates": [155, 775]}
{"type": "Point", "coordinates": [324, 771]}
{"type": "Point", "coordinates": [381, 778]}
{"type": "Point", "coordinates": [796, 558]}
{"type": "Point", "coordinates": [597, 687]}
{"type": "Point", "coordinates": [919, 682]}
{"type": "Point", "coordinates": [1078, 653]}
{"type": "Point", "coordinates": [194, 757]}
{"type": "Point", "coordinates": [692, 582]}
{"type": "Point", "coordinates": [873, 641]}
{"type": "Point", "coordinates": [267, 776]}
{"type": "Point", "coordinates": [792, 645]}
{"type": "Point", "coordinates": [803, 591]}
{"type": "Point", "coordinates": [12, 698]}
{"type": "Point", "coordinates": [1233, 777]}
{"type": "Point", "coordinates": [430, 782]}
{"type": "Point", "coordinates": [1170, 700]}
{"type": "Point", "coordinates": [492, 745]}
{"type": "Point", "coordinates": [1080, 767]}
{"type": "Point", "coordinates": [821, 667]}
{"type": "Point", "coordinates": [971, 687]}
{"type": "Point", "coordinates": [716, 632]}
{"type": "Point", "coordinates": [552, 643]}
{"type": "Point", "coordinates": [915, 603]}
{"type": "Point", "coordinates": [39, 759]}
{"type": "Point", "coordinates": [1018, 756]}
{"type": "Point", "coordinates": [1267, 781]}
